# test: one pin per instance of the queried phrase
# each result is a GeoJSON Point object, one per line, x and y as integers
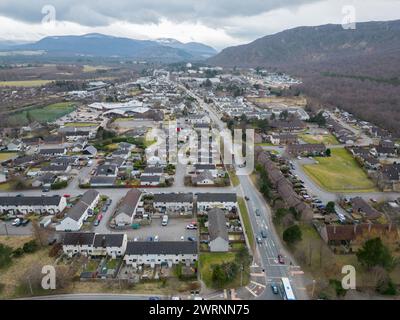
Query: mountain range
{"type": "Point", "coordinates": [99, 45]}
{"type": "Point", "coordinates": [357, 70]}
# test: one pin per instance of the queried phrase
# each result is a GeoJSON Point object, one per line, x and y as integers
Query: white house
{"type": "Point", "coordinates": [219, 240]}
{"type": "Point", "coordinates": [151, 254]}
{"type": "Point", "coordinates": [78, 243]}
{"type": "Point", "coordinates": [173, 202]}
{"type": "Point", "coordinates": [206, 201]}
{"type": "Point", "coordinates": [14, 145]}
{"type": "Point", "coordinates": [113, 245]}
{"type": "Point", "coordinates": [127, 208]}
{"type": "Point", "coordinates": [77, 215]}
{"type": "Point", "coordinates": [38, 204]}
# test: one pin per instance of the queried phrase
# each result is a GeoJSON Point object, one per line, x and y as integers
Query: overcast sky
{"type": "Point", "coordinates": [219, 23]}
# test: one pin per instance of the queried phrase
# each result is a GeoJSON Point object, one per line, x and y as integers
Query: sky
{"type": "Point", "coordinates": [219, 23]}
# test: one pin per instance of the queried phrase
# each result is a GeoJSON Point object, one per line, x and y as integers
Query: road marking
{"type": "Point", "coordinates": [257, 274]}
{"type": "Point", "coordinates": [258, 284]}
{"type": "Point", "coordinates": [251, 291]}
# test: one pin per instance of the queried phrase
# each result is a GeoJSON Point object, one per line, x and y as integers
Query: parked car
{"type": "Point", "coordinates": [280, 259]}
{"type": "Point", "coordinates": [24, 222]}
{"type": "Point", "coordinates": [182, 238]}
{"type": "Point", "coordinates": [156, 238]}
{"type": "Point", "coordinates": [109, 201]}
{"type": "Point", "coordinates": [154, 298]}
{"type": "Point", "coordinates": [99, 217]}
{"type": "Point", "coordinates": [45, 189]}
{"type": "Point", "coordinates": [104, 209]}
{"type": "Point", "coordinates": [257, 212]}
{"type": "Point", "coordinates": [191, 227]}
{"type": "Point", "coordinates": [191, 238]}
{"type": "Point", "coordinates": [96, 223]}
{"type": "Point", "coordinates": [16, 222]}
{"type": "Point", "coordinates": [274, 288]}
{"type": "Point", "coordinates": [67, 195]}
{"type": "Point", "coordinates": [247, 198]}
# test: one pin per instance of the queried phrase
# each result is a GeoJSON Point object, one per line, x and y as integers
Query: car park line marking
{"type": "Point", "coordinates": [257, 284]}
{"type": "Point", "coordinates": [251, 291]}
{"type": "Point", "coordinates": [257, 274]}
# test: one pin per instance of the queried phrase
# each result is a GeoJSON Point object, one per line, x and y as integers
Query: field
{"type": "Point", "coordinates": [42, 114]}
{"type": "Point", "coordinates": [339, 173]}
{"type": "Point", "coordinates": [208, 259]}
{"type": "Point", "coordinates": [327, 139]}
{"type": "Point", "coordinates": [24, 83]}
{"type": "Point", "coordinates": [87, 68]}
{"type": "Point", "coordinates": [81, 124]}
{"type": "Point", "coordinates": [292, 101]}
{"type": "Point", "coordinates": [4, 156]}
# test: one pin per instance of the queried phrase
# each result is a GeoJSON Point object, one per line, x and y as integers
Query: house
{"type": "Point", "coordinates": [204, 178]}
{"type": "Point", "coordinates": [389, 177]}
{"type": "Point", "coordinates": [78, 134]}
{"type": "Point", "coordinates": [45, 180]}
{"type": "Point", "coordinates": [360, 206]}
{"type": "Point", "coordinates": [150, 180]}
{"type": "Point", "coordinates": [77, 215]}
{"type": "Point", "coordinates": [113, 245]}
{"type": "Point", "coordinates": [15, 145]}
{"type": "Point", "coordinates": [288, 125]}
{"type": "Point", "coordinates": [97, 181]}
{"type": "Point", "coordinates": [307, 149]}
{"type": "Point", "coordinates": [219, 240]}
{"type": "Point", "coordinates": [107, 170]}
{"type": "Point", "coordinates": [27, 204]}
{"type": "Point", "coordinates": [54, 140]}
{"type": "Point", "coordinates": [345, 236]}
{"type": "Point", "coordinates": [121, 153]}
{"type": "Point", "coordinates": [148, 253]}
{"type": "Point", "coordinates": [52, 152]}
{"type": "Point", "coordinates": [153, 171]}
{"type": "Point", "coordinates": [90, 151]}
{"type": "Point", "coordinates": [56, 169]}
{"type": "Point", "coordinates": [173, 202]}
{"type": "Point", "coordinates": [127, 208]}
{"type": "Point", "coordinates": [206, 201]}
{"type": "Point", "coordinates": [283, 138]}
{"type": "Point", "coordinates": [156, 161]}
{"type": "Point", "coordinates": [78, 243]}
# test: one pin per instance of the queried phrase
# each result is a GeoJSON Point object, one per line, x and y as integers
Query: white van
{"type": "Point", "coordinates": [164, 220]}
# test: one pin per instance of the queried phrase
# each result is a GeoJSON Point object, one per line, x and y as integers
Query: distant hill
{"type": "Point", "coordinates": [99, 45]}
{"type": "Point", "coordinates": [358, 70]}
{"type": "Point", "coordinates": [194, 48]}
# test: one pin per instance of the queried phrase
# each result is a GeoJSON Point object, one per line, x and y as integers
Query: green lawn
{"type": "Point", "coordinates": [207, 259]}
{"type": "Point", "coordinates": [234, 178]}
{"type": "Point", "coordinates": [246, 221]}
{"type": "Point", "coordinates": [4, 156]}
{"type": "Point", "coordinates": [42, 114]}
{"type": "Point", "coordinates": [327, 139]}
{"type": "Point", "coordinates": [339, 173]}
{"type": "Point", "coordinates": [27, 83]}
{"type": "Point", "coordinates": [81, 124]}
{"type": "Point", "coordinates": [265, 144]}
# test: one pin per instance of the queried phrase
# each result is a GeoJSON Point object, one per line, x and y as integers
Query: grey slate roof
{"type": "Point", "coordinates": [30, 201]}
{"type": "Point", "coordinates": [78, 238]}
{"type": "Point", "coordinates": [163, 247]}
{"type": "Point", "coordinates": [150, 178]}
{"type": "Point", "coordinates": [217, 225]}
{"type": "Point", "coordinates": [216, 197]}
{"type": "Point", "coordinates": [173, 197]}
{"type": "Point", "coordinates": [108, 240]}
{"type": "Point", "coordinates": [129, 202]}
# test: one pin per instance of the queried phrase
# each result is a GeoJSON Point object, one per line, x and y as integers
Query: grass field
{"type": "Point", "coordinates": [327, 139]}
{"type": "Point", "coordinates": [24, 83]}
{"type": "Point", "coordinates": [246, 221]}
{"type": "Point", "coordinates": [4, 156]}
{"type": "Point", "coordinates": [87, 68]}
{"type": "Point", "coordinates": [293, 101]}
{"type": "Point", "coordinates": [81, 124]}
{"type": "Point", "coordinates": [207, 259]}
{"type": "Point", "coordinates": [339, 173]}
{"type": "Point", "coordinates": [42, 114]}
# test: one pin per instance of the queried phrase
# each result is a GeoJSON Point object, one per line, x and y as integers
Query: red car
{"type": "Point", "coordinates": [99, 217]}
{"type": "Point", "coordinates": [67, 195]}
{"type": "Point", "coordinates": [280, 259]}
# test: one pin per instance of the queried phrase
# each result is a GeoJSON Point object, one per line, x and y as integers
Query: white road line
{"type": "Point", "coordinates": [251, 291]}
{"type": "Point", "coordinates": [258, 284]}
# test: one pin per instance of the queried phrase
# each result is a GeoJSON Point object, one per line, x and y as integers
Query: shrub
{"type": "Point", "coordinates": [18, 252]}
{"type": "Point", "coordinates": [5, 255]}
{"type": "Point", "coordinates": [30, 246]}
{"type": "Point", "coordinates": [292, 234]}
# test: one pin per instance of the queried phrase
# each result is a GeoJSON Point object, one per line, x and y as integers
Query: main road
{"type": "Point", "coordinates": [266, 253]}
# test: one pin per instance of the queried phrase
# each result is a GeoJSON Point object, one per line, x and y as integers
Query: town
{"type": "Point", "coordinates": [127, 187]}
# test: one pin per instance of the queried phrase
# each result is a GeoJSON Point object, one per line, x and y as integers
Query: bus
{"type": "Point", "coordinates": [287, 290]}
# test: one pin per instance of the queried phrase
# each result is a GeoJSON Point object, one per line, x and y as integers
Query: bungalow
{"type": "Point", "coordinates": [53, 152]}
{"type": "Point", "coordinates": [90, 151]}
{"type": "Point", "coordinates": [153, 171]}
{"type": "Point", "coordinates": [15, 145]}
{"type": "Point", "coordinates": [121, 153]}
{"type": "Point", "coordinates": [156, 161]}
{"type": "Point", "coordinates": [45, 180]}
{"type": "Point", "coordinates": [307, 149]}
{"type": "Point", "coordinates": [127, 208]}
{"type": "Point", "coordinates": [173, 202]}
{"type": "Point", "coordinates": [204, 178]}
{"type": "Point", "coordinates": [78, 243]}
{"type": "Point", "coordinates": [113, 245]}
{"type": "Point", "coordinates": [153, 254]}
{"type": "Point", "coordinates": [79, 212]}
{"type": "Point", "coordinates": [219, 240]}
{"type": "Point", "coordinates": [38, 204]}
{"type": "Point", "coordinates": [75, 135]}
{"type": "Point", "coordinates": [206, 201]}
{"type": "Point", "coordinates": [56, 169]}
{"type": "Point", "coordinates": [389, 177]}
{"type": "Point", "coordinates": [150, 180]}
{"type": "Point", "coordinates": [54, 140]}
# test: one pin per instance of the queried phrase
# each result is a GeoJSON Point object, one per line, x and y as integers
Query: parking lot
{"type": "Point", "coordinates": [6, 228]}
{"type": "Point", "coordinates": [175, 229]}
